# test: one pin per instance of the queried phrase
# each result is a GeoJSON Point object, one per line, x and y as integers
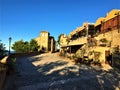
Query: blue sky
{"type": "Point", "coordinates": [24, 19]}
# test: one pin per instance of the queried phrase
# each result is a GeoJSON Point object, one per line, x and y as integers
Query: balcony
{"type": "Point", "coordinates": [78, 41]}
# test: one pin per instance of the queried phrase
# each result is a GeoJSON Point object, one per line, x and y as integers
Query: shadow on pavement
{"type": "Point", "coordinates": [77, 77]}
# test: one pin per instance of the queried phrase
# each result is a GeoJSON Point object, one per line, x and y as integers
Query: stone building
{"type": "Point", "coordinates": [78, 37]}
{"type": "Point", "coordinates": [46, 42]}
{"type": "Point", "coordinates": [101, 37]}
{"type": "Point", "coordinates": [109, 27]}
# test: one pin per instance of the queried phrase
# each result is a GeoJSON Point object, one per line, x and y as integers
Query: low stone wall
{"type": "Point", "coordinates": [3, 70]}
{"type": "Point", "coordinates": [24, 54]}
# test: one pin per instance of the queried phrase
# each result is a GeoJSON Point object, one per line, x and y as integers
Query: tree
{"type": "Point", "coordinates": [2, 48]}
{"type": "Point", "coordinates": [26, 46]}
{"type": "Point", "coordinates": [33, 45]}
{"type": "Point", "coordinates": [59, 37]}
{"type": "Point", "coordinates": [21, 46]}
{"type": "Point", "coordinates": [18, 46]}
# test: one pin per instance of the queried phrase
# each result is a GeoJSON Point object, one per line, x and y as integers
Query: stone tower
{"type": "Point", "coordinates": [46, 42]}
{"type": "Point", "coordinates": [44, 37]}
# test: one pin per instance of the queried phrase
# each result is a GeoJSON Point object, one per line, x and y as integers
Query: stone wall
{"type": "Point", "coordinates": [111, 36]}
{"type": "Point", "coordinates": [3, 69]}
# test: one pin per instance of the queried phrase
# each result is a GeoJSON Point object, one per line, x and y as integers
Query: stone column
{"type": "Point", "coordinates": [52, 45]}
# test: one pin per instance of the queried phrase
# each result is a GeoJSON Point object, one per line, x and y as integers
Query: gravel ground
{"type": "Point", "coordinates": [50, 72]}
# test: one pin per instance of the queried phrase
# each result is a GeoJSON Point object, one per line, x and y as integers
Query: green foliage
{"type": "Point", "coordinates": [18, 46]}
{"type": "Point", "coordinates": [96, 56]}
{"type": "Point", "coordinates": [59, 38]}
{"type": "Point", "coordinates": [2, 48]}
{"type": "Point", "coordinates": [104, 40]}
{"type": "Point", "coordinates": [33, 45]}
{"type": "Point", "coordinates": [91, 55]}
{"type": "Point", "coordinates": [25, 46]}
{"type": "Point", "coordinates": [80, 53]}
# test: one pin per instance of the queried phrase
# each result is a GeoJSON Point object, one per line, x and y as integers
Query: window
{"type": "Point", "coordinates": [43, 34]}
{"type": "Point", "coordinates": [109, 29]}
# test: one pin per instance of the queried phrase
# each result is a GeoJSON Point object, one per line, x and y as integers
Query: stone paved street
{"type": "Point", "coordinates": [50, 72]}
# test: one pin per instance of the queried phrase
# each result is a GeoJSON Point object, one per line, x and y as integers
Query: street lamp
{"type": "Point", "coordinates": [9, 44]}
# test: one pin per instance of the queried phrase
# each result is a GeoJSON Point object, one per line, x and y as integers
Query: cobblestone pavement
{"type": "Point", "coordinates": [51, 72]}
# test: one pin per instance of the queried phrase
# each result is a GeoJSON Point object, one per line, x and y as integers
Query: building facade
{"type": "Point", "coordinates": [109, 28]}
{"type": "Point", "coordinates": [99, 37]}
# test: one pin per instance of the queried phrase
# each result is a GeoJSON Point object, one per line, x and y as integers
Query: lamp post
{"type": "Point", "coordinates": [9, 44]}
